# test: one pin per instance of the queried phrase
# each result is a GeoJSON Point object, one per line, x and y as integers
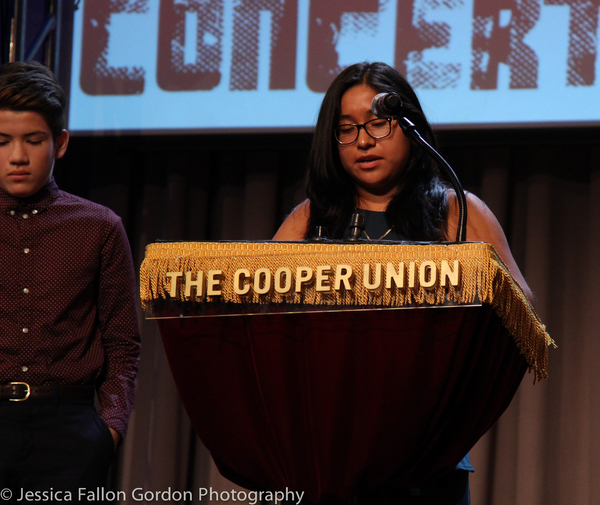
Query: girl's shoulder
{"type": "Point", "coordinates": [482, 226]}
{"type": "Point", "coordinates": [295, 225]}
{"type": "Point", "coordinates": [479, 215]}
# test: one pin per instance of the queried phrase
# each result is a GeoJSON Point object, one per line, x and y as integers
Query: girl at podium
{"type": "Point", "coordinates": [361, 163]}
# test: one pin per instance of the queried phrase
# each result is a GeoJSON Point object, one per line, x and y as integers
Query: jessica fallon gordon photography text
{"type": "Point", "coordinates": [206, 495]}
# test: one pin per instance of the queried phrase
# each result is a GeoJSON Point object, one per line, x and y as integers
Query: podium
{"type": "Point", "coordinates": [332, 368]}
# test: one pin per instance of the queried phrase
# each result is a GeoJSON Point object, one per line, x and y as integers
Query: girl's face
{"type": "Point", "coordinates": [375, 165]}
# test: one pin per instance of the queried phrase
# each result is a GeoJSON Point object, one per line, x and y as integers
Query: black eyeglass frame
{"type": "Point", "coordinates": [364, 127]}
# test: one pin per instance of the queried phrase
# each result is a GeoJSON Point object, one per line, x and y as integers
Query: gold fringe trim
{"type": "Point", "coordinates": [484, 277]}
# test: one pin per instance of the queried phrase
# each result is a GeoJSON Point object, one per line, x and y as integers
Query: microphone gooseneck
{"type": "Point", "coordinates": [390, 105]}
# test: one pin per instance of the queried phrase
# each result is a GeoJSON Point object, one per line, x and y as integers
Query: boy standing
{"type": "Point", "coordinates": [68, 323]}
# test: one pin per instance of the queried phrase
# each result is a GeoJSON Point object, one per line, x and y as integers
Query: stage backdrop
{"type": "Point", "coordinates": [544, 188]}
{"type": "Point", "coordinates": [220, 65]}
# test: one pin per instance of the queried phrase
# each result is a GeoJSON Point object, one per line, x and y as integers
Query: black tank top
{"type": "Point", "coordinates": [376, 226]}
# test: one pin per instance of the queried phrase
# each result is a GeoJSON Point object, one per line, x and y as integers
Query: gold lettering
{"type": "Point", "coordinates": [376, 284]}
{"type": "Point", "coordinates": [451, 275]}
{"type": "Point", "coordinates": [396, 276]}
{"type": "Point", "coordinates": [174, 276]}
{"type": "Point", "coordinates": [198, 284]}
{"type": "Point", "coordinates": [239, 277]}
{"type": "Point", "coordinates": [283, 272]}
{"type": "Point", "coordinates": [303, 275]}
{"type": "Point", "coordinates": [343, 275]}
{"type": "Point", "coordinates": [322, 280]}
{"type": "Point", "coordinates": [214, 283]}
{"type": "Point", "coordinates": [427, 274]}
{"type": "Point", "coordinates": [262, 276]}
{"type": "Point", "coordinates": [411, 274]}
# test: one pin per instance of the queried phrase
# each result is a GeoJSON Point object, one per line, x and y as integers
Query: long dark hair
{"type": "Point", "coordinates": [418, 210]}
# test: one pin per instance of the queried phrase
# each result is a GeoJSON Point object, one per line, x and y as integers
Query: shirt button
{"type": "Point", "coordinates": [26, 250]}
{"type": "Point", "coordinates": [34, 212]}
{"type": "Point", "coordinates": [25, 330]}
{"type": "Point", "coordinates": [25, 290]}
{"type": "Point", "coordinates": [25, 216]}
{"type": "Point", "coordinates": [24, 368]}
{"type": "Point", "coordinates": [12, 212]}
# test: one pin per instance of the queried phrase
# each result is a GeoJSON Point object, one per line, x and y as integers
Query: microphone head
{"type": "Point", "coordinates": [386, 104]}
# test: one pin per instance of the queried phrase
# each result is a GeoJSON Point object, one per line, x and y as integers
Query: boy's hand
{"type": "Point", "coordinates": [116, 436]}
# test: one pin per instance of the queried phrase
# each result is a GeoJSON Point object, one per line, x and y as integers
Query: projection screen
{"type": "Point", "coordinates": [263, 65]}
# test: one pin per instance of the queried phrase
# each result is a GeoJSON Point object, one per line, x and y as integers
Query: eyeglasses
{"type": "Point", "coordinates": [377, 128]}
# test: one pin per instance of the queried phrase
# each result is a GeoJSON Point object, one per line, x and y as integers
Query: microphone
{"type": "Point", "coordinates": [357, 225]}
{"type": "Point", "coordinates": [386, 104]}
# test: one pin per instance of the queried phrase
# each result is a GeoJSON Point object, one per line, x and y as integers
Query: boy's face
{"type": "Point", "coordinates": [27, 152]}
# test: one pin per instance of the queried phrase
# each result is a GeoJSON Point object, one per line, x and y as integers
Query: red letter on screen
{"type": "Point", "coordinates": [201, 71]}
{"type": "Point", "coordinates": [499, 27]}
{"type": "Point", "coordinates": [324, 25]}
{"type": "Point", "coordinates": [97, 78]}
{"type": "Point", "coordinates": [282, 42]}
{"type": "Point", "coordinates": [583, 26]}
{"type": "Point", "coordinates": [413, 35]}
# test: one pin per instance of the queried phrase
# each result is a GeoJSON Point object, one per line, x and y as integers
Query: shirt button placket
{"type": "Point", "coordinates": [26, 234]}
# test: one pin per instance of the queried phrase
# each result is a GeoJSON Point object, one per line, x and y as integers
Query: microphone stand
{"type": "Point", "coordinates": [409, 130]}
{"type": "Point", "coordinates": [357, 225]}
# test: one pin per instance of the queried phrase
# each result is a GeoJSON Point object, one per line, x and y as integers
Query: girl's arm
{"type": "Point", "coordinates": [482, 226]}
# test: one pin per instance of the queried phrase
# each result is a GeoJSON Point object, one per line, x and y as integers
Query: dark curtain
{"type": "Point", "coordinates": [544, 187]}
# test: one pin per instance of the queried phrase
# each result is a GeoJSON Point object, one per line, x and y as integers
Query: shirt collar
{"type": "Point", "coordinates": [40, 201]}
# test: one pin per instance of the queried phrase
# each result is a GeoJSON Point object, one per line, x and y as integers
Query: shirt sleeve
{"type": "Point", "coordinates": [119, 328]}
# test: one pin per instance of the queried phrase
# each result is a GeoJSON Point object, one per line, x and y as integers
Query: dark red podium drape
{"type": "Point", "coordinates": [336, 403]}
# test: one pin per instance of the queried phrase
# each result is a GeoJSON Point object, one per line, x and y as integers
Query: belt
{"type": "Point", "coordinates": [21, 391]}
